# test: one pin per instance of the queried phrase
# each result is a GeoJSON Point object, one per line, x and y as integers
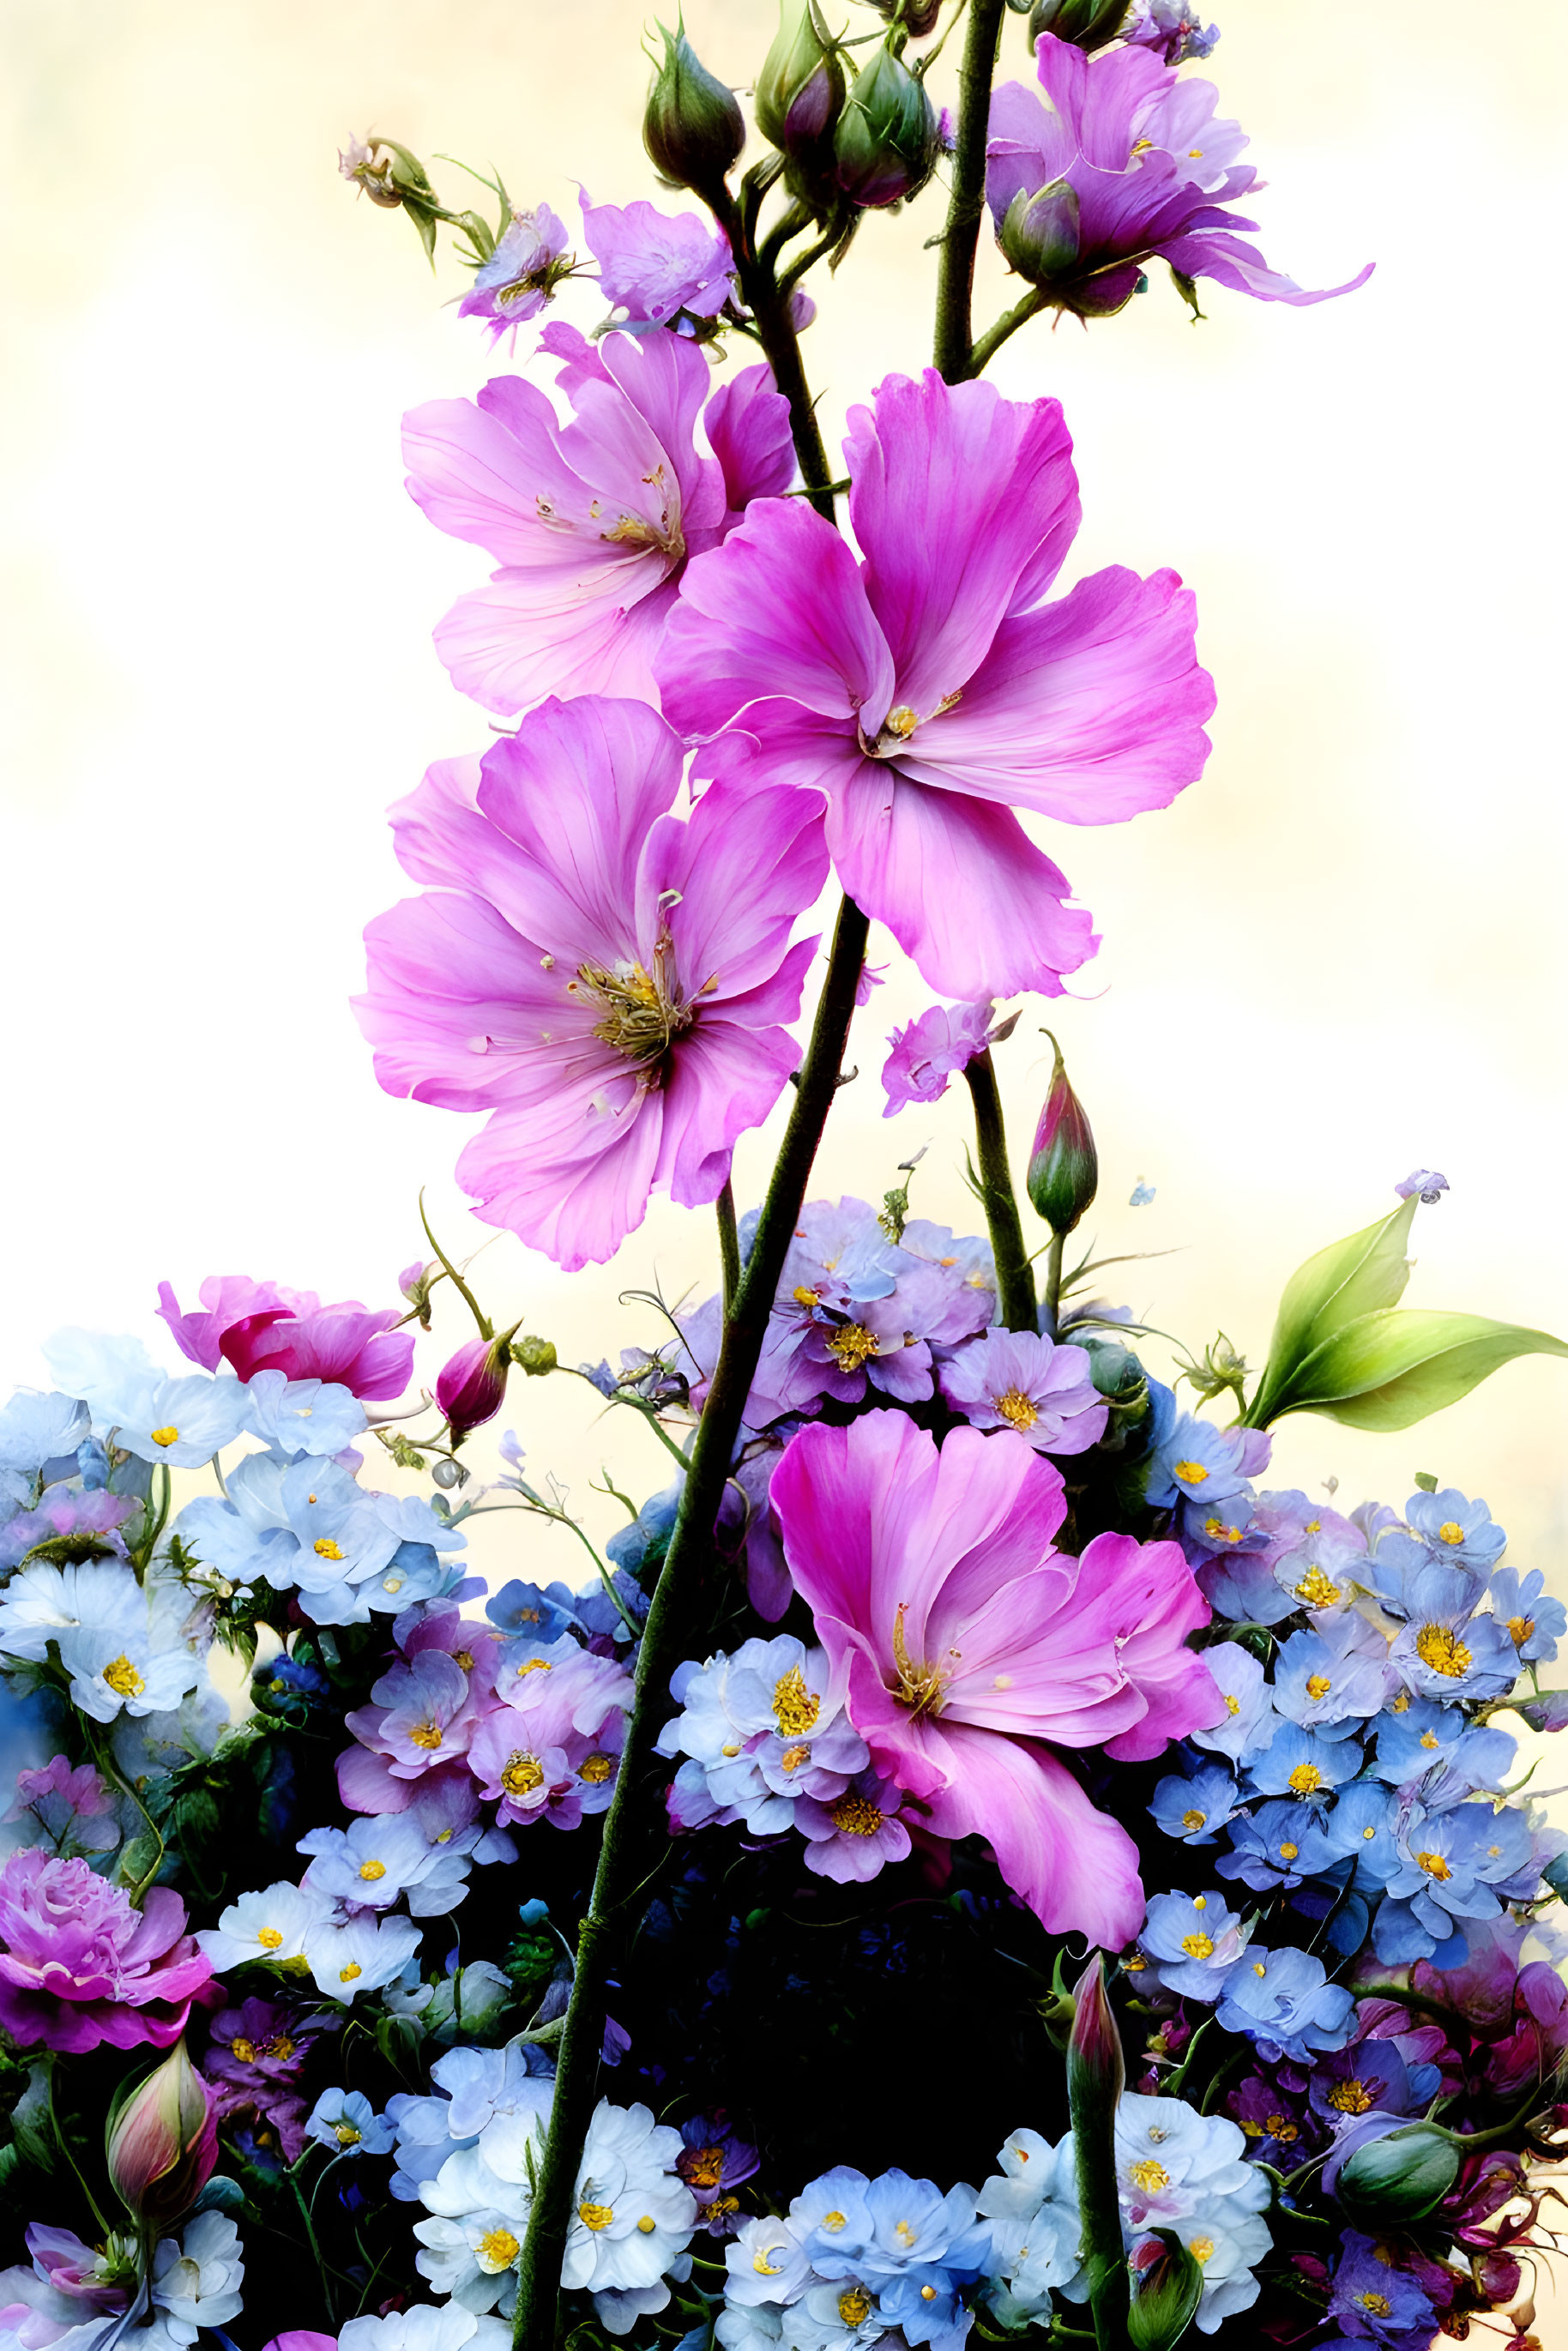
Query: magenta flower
{"type": "Point", "coordinates": [936, 1047]}
{"type": "Point", "coordinates": [1015, 1379]}
{"type": "Point", "coordinates": [1123, 164]}
{"type": "Point", "coordinates": [609, 981]}
{"type": "Point", "coordinates": [264, 1326]}
{"type": "Point", "coordinates": [592, 521]}
{"type": "Point", "coordinates": [927, 690]}
{"type": "Point", "coordinates": [971, 1648]}
{"type": "Point", "coordinates": [78, 1966]}
{"type": "Point", "coordinates": [653, 265]}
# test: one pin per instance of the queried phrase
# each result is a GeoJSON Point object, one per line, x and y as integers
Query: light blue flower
{"type": "Point", "coordinates": [1271, 1847]}
{"type": "Point", "coordinates": [1283, 2001]}
{"type": "Point", "coordinates": [1333, 1677]}
{"type": "Point", "coordinates": [38, 1431]}
{"type": "Point", "coordinates": [1446, 1651]}
{"type": "Point", "coordinates": [1459, 1533]}
{"type": "Point", "coordinates": [1249, 1721]}
{"type": "Point", "coordinates": [1196, 1805]}
{"type": "Point", "coordinates": [346, 2121]}
{"type": "Point", "coordinates": [182, 1421]}
{"type": "Point", "coordinates": [1305, 1764]}
{"type": "Point", "coordinates": [1534, 1620]}
{"type": "Point", "coordinates": [296, 1416]}
{"type": "Point", "coordinates": [1192, 1942]}
{"type": "Point", "coordinates": [1197, 1462]}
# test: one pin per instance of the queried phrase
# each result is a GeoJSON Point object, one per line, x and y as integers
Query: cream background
{"type": "Point", "coordinates": [1337, 957]}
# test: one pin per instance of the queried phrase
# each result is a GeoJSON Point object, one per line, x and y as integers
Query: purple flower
{"type": "Point", "coordinates": [855, 1836]}
{"type": "Point", "coordinates": [80, 1966]}
{"type": "Point", "coordinates": [1170, 29]}
{"type": "Point", "coordinates": [96, 1515]}
{"type": "Point", "coordinates": [1371, 2299]}
{"type": "Point", "coordinates": [592, 521]}
{"type": "Point", "coordinates": [944, 1041]}
{"type": "Point", "coordinates": [926, 688]}
{"type": "Point", "coordinates": [713, 2161]}
{"type": "Point", "coordinates": [260, 1326]}
{"type": "Point", "coordinates": [1427, 1182]}
{"type": "Point", "coordinates": [1014, 1379]}
{"type": "Point", "coordinates": [654, 265]}
{"type": "Point", "coordinates": [520, 275]}
{"type": "Point", "coordinates": [1366, 2076]}
{"type": "Point", "coordinates": [1134, 167]}
{"type": "Point", "coordinates": [609, 981]}
{"type": "Point", "coordinates": [262, 2043]}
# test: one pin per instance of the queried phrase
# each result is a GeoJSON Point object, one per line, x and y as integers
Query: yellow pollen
{"type": "Point", "coordinates": [1219, 1533]}
{"type": "Point", "coordinates": [927, 2293]}
{"type": "Point", "coordinates": [1198, 1947]}
{"type": "Point", "coordinates": [762, 2265]}
{"type": "Point", "coordinates": [795, 1707]}
{"type": "Point", "coordinates": [325, 1548]}
{"type": "Point", "coordinates": [1149, 2176]}
{"type": "Point", "coordinates": [497, 2250]}
{"type": "Point", "coordinates": [443, 1836]}
{"type": "Point", "coordinates": [522, 1775]}
{"type": "Point", "coordinates": [1287, 1853]}
{"type": "Point", "coordinates": [1306, 1780]}
{"type": "Point", "coordinates": [345, 2135]}
{"type": "Point", "coordinates": [1132, 1967]}
{"type": "Point", "coordinates": [1318, 1685]}
{"type": "Point", "coordinates": [1015, 1409]}
{"type": "Point", "coordinates": [279, 2047]}
{"type": "Point", "coordinates": [854, 2306]}
{"type": "Point", "coordinates": [1202, 2250]}
{"type": "Point", "coordinates": [919, 1687]}
{"type": "Point", "coordinates": [1200, 1901]}
{"type": "Point", "coordinates": [1444, 1651]}
{"type": "Point", "coordinates": [904, 2233]}
{"type": "Point", "coordinates": [1378, 2305]}
{"type": "Point", "coordinates": [806, 1297]}
{"type": "Point", "coordinates": [596, 2216]}
{"type": "Point", "coordinates": [1142, 146]}
{"type": "Point", "coordinates": [901, 721]}
{"type": "Point", "coordinates": [833, 2222]}
{"type": "Point", "coordinates": [1317, 1589]}
{"type": "Point", "coordinates": [730, 1751]}
{"type": "Point", "coordinates": [1191, 1473]}
{"type": "Point", "coordinates": [1369, 1835]}
{"type": "Point", "coordinates": [706, 2168]}
{"type": "Point", "coordinates": [1232, 1703]}
{"type": "Point", "coordinates": [372, 1870]}
{"type": "Point", "coordinates": [462, 1657]}
{"type": "Point", "coordinates": [425, 1734]}
{"type": "Point", "coordinates": [1434, 1865]}
{"type": "Point", "coordinates": [1193, 1820]}
{"type": "Point", "coordinates": [1351, 2098]}
{"type": "Point", "coordinates": [1429, 1739]}
{"type": "Point", "coordinates": [165, 1435]}
{"type": "Point", "coordinates": [719, 2209]}
{"type": "Point", "coordinates": [646, 2224]}
{"type": "Point", "coordinates": [793, 1756]}
{"type": "Point", "coordinates": [1519, 1629]}
{"type": "Point", "coordinates": [1400, 1704]}
{"type": "Point", "coordinates": [311, 1500]}
{"type": "Point", "coordinates": [243, 2050]}
{"type": "Point", "coordinates": [123, 1678]}
{"type": "Point", "coordinates": [1258, 1967]}
{"type": "Point", "coordinates": [1451, 1531]}
{"type": "Point", "coordinates": [596, 1768]}
{"type": "Point", "coordinates": [1280, 2127]}
{"type": "Point", "coordinates": [851, 1346]}
{"type": "Point", "coordinates": [346, 1975]}
{"type": "Point", "coordinates": [269, 1938]}
{"type": "Point", "coordinates": [535, 1665]}
{"type": "Point", "coordinates": [641, 1015]}
{"type": "Point", "coordinates": [856, 1816]}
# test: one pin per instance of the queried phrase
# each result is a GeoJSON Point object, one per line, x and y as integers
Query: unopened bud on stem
{"type": "Point", "coordinates": [471, 1386]}
{"type": "Point", "coordinates": [1063, 1168]}
{"type": "Point", "coordinates": [1038, 234]}
{"type": "Point", "coordinates": [888, 137]}
{"type": "Point", "coordinates": [163, 2144]}
{"type": "Point", "coordinates": [693, 127]}
{"type": "Point", "coordinates": [1087, 24]}
{"type": "Point", "coordinates": [801, 89]}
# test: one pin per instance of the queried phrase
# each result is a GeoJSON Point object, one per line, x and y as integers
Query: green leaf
{"type": "Point", "coordinates": [1387, 1371]}
{"type": "Point", "coordinates": [1349, 1279]}
{"type": "Point", "coordinates": [1166, 2295]}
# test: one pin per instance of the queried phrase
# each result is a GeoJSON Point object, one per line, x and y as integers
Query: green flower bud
{"type": "Point", "coordinates": [1167, 2285]}
{"type": "Point", "coordinates": [691, 126]}
{"type": "Point", "coordinates": [888, 139]}
{"type": "Point", "coordinates": [801, 89]}
{"type": "Point", "coordinates": [1063, 1168]}
{"type": "Point", "coordinates": [1038, 234]}
{"type": "Point", "coordinates": [1401, 2177]}
{"type": "Point", "coordinates": [534, 1355]}
{"type": "Point", "coordinates": [1087, 24]}
{"type": "Point", "coordinates": [1096, 2071]}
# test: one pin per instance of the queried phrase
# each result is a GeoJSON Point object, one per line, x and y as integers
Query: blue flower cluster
{"type": "Point", "coordinates": [853, 2260]}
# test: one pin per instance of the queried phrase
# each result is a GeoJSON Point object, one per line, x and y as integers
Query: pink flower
{"type": "Point", "coordinates": [930, 1050]}
{"type": "Point", "coordinates": [1015, 1379]}
{"type": "Point", "coordinates": [609, 981]}
{"type": "Point", "coordinates": [264, 1326]}
{"type": "Point", "coordinates": [78, 1966]}
{"type": "Point", "coordinates": [969, 1643]}
{"type": "Point", "coordinates": [927, 690]}
{"type": "Point", "coordinates": [552, 1748]}
{"type": "Point", "coordinates": [592, 521]}
{"type": "Point", "coordinates": [653, 265]}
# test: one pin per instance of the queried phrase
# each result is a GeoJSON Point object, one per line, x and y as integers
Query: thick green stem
{"type": "Point", "coordinates": [1053, 1283]}
{"type": "Point", "coordinates": [967, 205]}
{"type": "Point", "coordinates": [623, 1856]}
{"type": "Point", "coordinates": [729, 1249]}
{"type": "Point", "coordinates": [769, 306]}
{"type": "Point", "coordinates": [1015, 1279]}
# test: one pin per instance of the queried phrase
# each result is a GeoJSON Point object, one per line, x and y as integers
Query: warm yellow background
{"type": "Point", "coordinates": [1338, 957]}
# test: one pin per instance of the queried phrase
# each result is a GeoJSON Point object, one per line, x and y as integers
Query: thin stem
{"type": "Point", "coordinates": [769, 306]}
{"type": "Point", "coordinates": [622, 1858]}
{"type": "Point", "coordinates": [992, 341]}
{"type": "Point", "coordinates": [1015, 1280]}
{"type": "Point", "coordinates": [967, 205]}
{"type": "Point", "coordinates": [729, 1246]}
{"type": "Point", "coordinates": [1053, 1283]}
{"type": "Point", "coordinates": [315, 2248]}
{"type": "Point", "coordinates": [485, 1330]}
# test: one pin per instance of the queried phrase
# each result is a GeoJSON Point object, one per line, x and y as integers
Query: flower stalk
{"type": "Point", "coordinates": [967, 205]}
{"type": "Point", "coordinates": [1015, 1279]}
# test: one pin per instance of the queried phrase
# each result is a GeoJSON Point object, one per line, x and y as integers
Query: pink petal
{"type": "Point", "coordinates": [577, 1209]}
{"type": "Point", "coordinates": [747, 425]}
{"type": "Point", "coordinates": [722, 1079]}
{"type": "Point", "coordinates": [529, 633]}
{"type": "Point", "coordinates": [746, 865]}
{"type": "Point", "coordinates": [1075, 1866]}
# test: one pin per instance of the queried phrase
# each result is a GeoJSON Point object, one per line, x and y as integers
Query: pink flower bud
{"type": "Point", "coordinates": [164, 2143]}
{"type": "Point", "coordinates": [472, 1386]}
{"type": "Point", "coordinates": [1096, 2071]}
{"type": "Point", "coordinates": [1063, 1169]}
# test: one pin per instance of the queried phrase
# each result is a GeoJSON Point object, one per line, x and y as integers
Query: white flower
{"type": "Point", "coordinates": [473, 2259]}
{"type": "Point", "coordinates": [425, 2328]}
{"type": "Point", "coordinates": [196, 2281]}
{"type": "Point", "coordinates": [1229, 2242]}
{"type": "Point", "coordinates": [633, 2214]}
{"type": "Point", "coordinates": [139, 1663]}
{"type": "Point", "coordinates": [303, 1522]}
{"type": "Point", "coordinates": [273, 1925]}
{"type": "Point", "coordinates": [349, 1956]}
{"type": "Point", "coordinates": [302, 1416]}
{"type": "Point", "coordinates": [740, 2327]}
{"type": "Point", "coordinates": [144, 1744]}
{"type": "Point", "coordinates": [765, 2265]}
{"type": "Point", "coordinates": [1033, 2211]}
{"type": "Point", "coordinates": [182, 1421]}
{"type": "Point", "coordinates": [36, 1429]}
{"type": "Point", "coordinates": [42, 1603]}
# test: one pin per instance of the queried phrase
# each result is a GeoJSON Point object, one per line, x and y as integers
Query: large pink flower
{"type": "Point", "coordinates": [928, 691]}
{"type": "Point", "coordinates": [971, 1647]}
{"type": "Point", "coordinates": [608, 980]}
{"type": "Point", "coordinates": [264, 1326]}
{"type": "Point", "coordinates": [78, 1966]}
{"type": "Point", "coordinates": [592, 521]}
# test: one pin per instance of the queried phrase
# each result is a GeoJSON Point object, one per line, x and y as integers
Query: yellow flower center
{"type": "Point", "coordinates": [523, 1774]}
{"type": "Point", "coordinates": [804, 1297]}
{"type": "Point", "coordinates": [901, 721]}
{"type": "Point", "coordinates": [1191, 1473]}
{"type": "Point", "coordinates": [1191, 1821]}
{"type": "Point", "coordinates": [1443, 1650]}
{"type": "Point", "coordinates": [905, 2233]}
{"type": "Point", "coordinates": [269, 1938]}
{"type": "Point", "coordinates": [642, 1013]}
{"type": "Point", "coordinates": [1287, 1853]}
{"type": "Point", "coordinates": [1148, 2176]}
{"type": "Point", "coordinates": [425, 1734]}
{"type": "Point", "coordinates": [705, 2168]}
{"type": "Point", "coordinates": [854, 2306]}
{"type": "Point", "coordinates": [795, 1707]}
{"type": "Point", "coordinates": [1434, 1865]}
{"type": "Point", "coordinates": [345, 2135]}
{"type": "Point", "coordinates": [851, 1346]}
{"type": "Point", "coordinates": [1376, 2305]}
{"type": "Point", "coordinates": [371, 1870]}
{"type": "Point", "coordinates": [856, 1816]}
{"type": "Point", "coordinates": [1306, 1780]}
{"type": "Point", "coordinates": [1317, 1589]}
{"type": "Point", "coordinates": [1280, 2127]}
{"type": "Point", "coordinates": [1198, 1947]}
{"type": "Point", "coordinates": [1351, 2098]}
{"type": "Point", "coordinates": [325, 1548]}
{"type": "Point", "coordinates": [1400, 1703]}
{"type": "Point", "coordinates": [464, 1658]}
{"type": "Point", "coordinates": [596, 2216]}
{"type": "Point", "coordinates": [793, 1756]}
{"type": "Point", "coordinates": [280, 2048]}
{"type": "Point", "coordinates": [535, 1665]}
{"type": "Point", "coordinates": [243, 2050]}
{"type": "Point", "coordinates": [1429, 1740]}
{"type": "Point", "coordinates": [123, 1678]}
{"type": "Point", "coordinates": [351, 1973]}
{"type": "Point", "coordinates": [1232, 1703]}
{"type": "Point", "coordinates": [833, 2222]}
{"type": "Point", "coordinates": [1451, 1531]}
{"type": "Point", "coordinates": [1318, 1685]}
{"type": "Point", "coordinates": [920, 1687]}
{"type": "Point", "coordinates": [1217, 1531]}
{"type": "Point", "coordinates": [165, 1436]}
{"type": "Point", "coordinates": [1201, 2249]}
{"type": "Point", "coordinates": [496, 2250]}
{"type": "Point", "coordinates": [646, 2224]}
{"type": "Point", "coordinates": [596, 1768]}
{"type": "Point", "coordinates": [1016, 1409]}
{"type": "Point", "coordinates": [1519, 1629]}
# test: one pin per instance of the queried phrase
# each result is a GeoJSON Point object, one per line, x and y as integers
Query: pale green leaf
{"type": "Point", "coordinates": [1389, 1370]}
{"type": "Point", "coordinates": [1347, 1279]}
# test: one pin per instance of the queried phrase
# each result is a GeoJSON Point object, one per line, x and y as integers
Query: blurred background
{"type": "Point", "coordinates": [1339, 957]}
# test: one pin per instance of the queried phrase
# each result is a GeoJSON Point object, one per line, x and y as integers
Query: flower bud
{"type": "Point", "coordinates": [1087, 24]}
{"type": "Point", "coordinates": [888, 137]}
{"type": "Point", "coordinates": [801, 89]}
{"type": "Point", "coordinates": [471, 1386]}
{"type": "Point", "coordinates": [1039, 235]}
{"type": "Point", "coordinates": [1400, 2176]}
{"type": "Point", "coordinates": [1064, 1170]}
{"type": "Point", "coordinates": [1167, 2285]}
{"type": "Point", "coordinates": [163, 2144]}
{"type": "Point", "coordinates": [534, 1355]}
{"type": "Point", "coordinates": [415, 1282]}
{"type": "Point", "coordinates": [918, 17]}
{"type": "Point", "coordinates": [692, 126]}
{"type": "Point", "coordinates": [1096, 2071]}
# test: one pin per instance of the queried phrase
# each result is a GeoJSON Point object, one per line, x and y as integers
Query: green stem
{"type": "Point", "coordinates": [315, 2248]}
{"type": "Point", "coordinates": [992, 341]}
{"type": "Point", "coordinates": [1053, 1283]}
{"type": "Point", "coordinates": [729, 1246]}
{"type": "Point", "coordinates": [1094, 2163]}
{"type": "Point", "coordinates": [486, 1331]}
{"type": "Point", "coordinates": [768, 303]}
{"type": "Point", "coordinates": [967, 205]}
{"type": "Point", "coordinates": [1015, 1279]}
{"type": "Point", "coordinates": [627, 1823]}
